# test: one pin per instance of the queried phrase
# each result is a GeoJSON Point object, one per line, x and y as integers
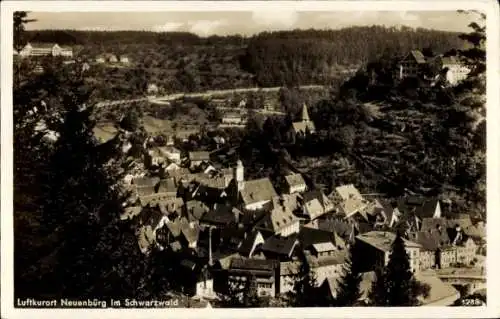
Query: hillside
{"type": "Point", "coordinates": [180, 62]}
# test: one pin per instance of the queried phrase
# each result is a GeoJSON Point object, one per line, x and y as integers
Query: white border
{"type": "Point", "coordinates": [493, 177]}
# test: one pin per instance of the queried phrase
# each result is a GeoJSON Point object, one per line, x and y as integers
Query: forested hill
{"type": "Point", "coordinates": [272, 58]}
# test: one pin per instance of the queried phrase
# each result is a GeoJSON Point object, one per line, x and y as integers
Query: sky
{"type": "Point", "coordinates": [245, 22]}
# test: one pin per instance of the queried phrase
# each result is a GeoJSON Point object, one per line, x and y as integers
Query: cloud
{"type": "Point", "coordinates": [273, 19]}
{"type": "Point", "coordinates": [205, 27]}
{"type": "Point", "coordinates": [168, 26]}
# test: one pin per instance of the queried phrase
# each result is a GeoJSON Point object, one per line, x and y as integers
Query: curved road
{"type": "Point", "coordinates": [171, 97]}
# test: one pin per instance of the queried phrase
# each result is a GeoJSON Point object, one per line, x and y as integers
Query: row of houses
{"type": "Point", "coordinates": [243, 228]}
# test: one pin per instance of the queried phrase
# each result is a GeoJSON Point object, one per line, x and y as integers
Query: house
{"type": "Point", "coordinates": [305, 124]}
{"type": "Point", "coordinates": [279, 221]}
{"type": "Point", "coordinates": [377, 245]}
{"type": "Point", "coordinates": [262, 270]}
{"type": "Point", "coordinates": [295, 183]}
{"type": "Point", "coordinates": [345, 229]}
{"type": "Point", "coordinates": [315, 204]}
{"type": "Point", "coordinates": [171, 153]}
{"type": "Point", "coordinates": [111, 58]}
{"type": "Point", "coordinates": [100, 59]}
{"type": "Point", "coordinates": [351, 201]}
{"type": "Point", "coordinates": [233, 119]}
{"type": "Point", "coordinates": [196, 158]}
{"type": "Point", "coordinates": [329, 265]}
{"type": "Point", "coordinates": [433, 242]}
{"type": "Point", "coordinates": [287, 276]}
{"type": "Point", "coordinates": [415, 208]}
{"type": "Point", "coordinates": [256, 193]}
{"type": "Point", "coordinates": [456, 71]}
{"type": "Point", "coordinates": [190, 233]}
{"type": "Point", "coordinates": [154, 157]}
{"type": "Point", "coordinates": [281, 248]}
{"type": "Point", "coordinates": [152, 89]}
{"type": "Point", "coordinates": [250, 243]}
{"type": "Point", "coordinates": [124, 59]}
{"type": "Point", "coordinates": [411, 65]}
{"type": "Point", "coordinates": [46, 49]}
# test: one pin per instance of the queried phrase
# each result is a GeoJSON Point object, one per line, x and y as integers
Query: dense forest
{"type": "Point", "coordinates": [185, 62]}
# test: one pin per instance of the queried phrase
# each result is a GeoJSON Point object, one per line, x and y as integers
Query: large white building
{"type": "Point", "coordinates": [46, 49]}
{"type": "Point", "coordinates": [456, 71]}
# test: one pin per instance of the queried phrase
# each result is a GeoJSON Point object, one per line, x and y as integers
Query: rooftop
{"type": "Point", "coordinates": [383, 240]}
{"type": "Point", "coordinates": [258, 190]}
{"type": "Point", "coordinates": [295, 180]}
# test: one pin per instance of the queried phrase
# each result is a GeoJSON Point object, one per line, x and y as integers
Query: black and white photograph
{"type": "Point", "coordinates": [247, 157]}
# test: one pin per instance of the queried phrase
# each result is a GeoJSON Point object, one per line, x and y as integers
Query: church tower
{"type": "Point", "coordinates": [305, 114]}
{"type": "Point", "coordinates": [239, 176]}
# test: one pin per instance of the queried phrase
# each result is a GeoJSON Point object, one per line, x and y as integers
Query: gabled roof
{"type": "Point", "coordinates": [341, 227]}
{"type": "Point", "coordinates": [258, 190]}
{"type": "Point", "coordinates": [151, 216]}
{"type": "Point", "coordinates": [295, 180]}
{"type": "Point", "coordinates": [418, 206]}
{"type": "Point", "coordinates": [309, 236]}
{"type": "Point", "coordinates": [130, 212]}
{"type": "Point", "coordinates": [279, 217]}
{"type": "Point", "coordinates": [247, 243]}
{"type": "Point", "coordinates": [280, 245]}
{"type": "Point", "coordinates": [174, 227]}
{"type": "Point", "coordinates": [321, 247]}
{"type": "Point", "coordinates": [42, 45]}
{"type": "Point", "coordinates": [431, 224]}
{"type": "Point", "coordinates": [418, 56]}
{"type": "Point", "coordinates": [167, 186]}
{"type": "Point", "coordinates": [336, 258]}
{"type": "Point", "coordinates": [351, 199]}
{"type": "Point", "coordinates": [190, 233]}
{"type": "Point", "coordinates": [145, 191]}
{"type": "Point", "coordinates": [303, 126]}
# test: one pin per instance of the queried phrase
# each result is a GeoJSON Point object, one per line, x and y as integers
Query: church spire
{"type": "Point", "coordinates": [305, 114]}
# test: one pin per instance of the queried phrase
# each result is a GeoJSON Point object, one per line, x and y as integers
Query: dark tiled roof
{"type": "Point", "coordinates": [309, 236]}
{"type": "Point", "coordinates": [220, 215]}
{"type": "Point", "coordinates": [175, 227]}
{"type": "Point", "coordinates": [151, 216]}
{"type": "Point", "coordinates": [280, 245]}
{"type": "Point", "coordinates": [417, 206]}
{"type": "Point", "coordinates": [247, 243]}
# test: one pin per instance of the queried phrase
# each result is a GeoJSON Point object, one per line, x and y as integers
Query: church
{"type": "Point", "coordinates": [305, 125]}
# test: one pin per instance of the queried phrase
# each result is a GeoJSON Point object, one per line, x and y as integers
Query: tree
{"type": "Point", "coordinates": [20, 21]}
{"type": "Point", "coordinates": [348, 292]}
{"type": "Point", "coordinates": [305, 292]}
{"type": "Point", "coordinates": [130, 121]}
{"type": "Point", "coordinates": [396, 285]}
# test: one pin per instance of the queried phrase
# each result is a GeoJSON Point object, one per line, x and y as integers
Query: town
{"type": "Point", "coordinates": [193, 194]}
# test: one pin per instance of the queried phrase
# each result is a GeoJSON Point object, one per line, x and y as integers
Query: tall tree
{"type": "Point", "coordinates": [20, 21]}
{"type": "Point", "coordinates": [348, 292]}
{"type": "Point", "coordinates": [305, 292]}
{"type": "Point", "coordinates": [397, 286]}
